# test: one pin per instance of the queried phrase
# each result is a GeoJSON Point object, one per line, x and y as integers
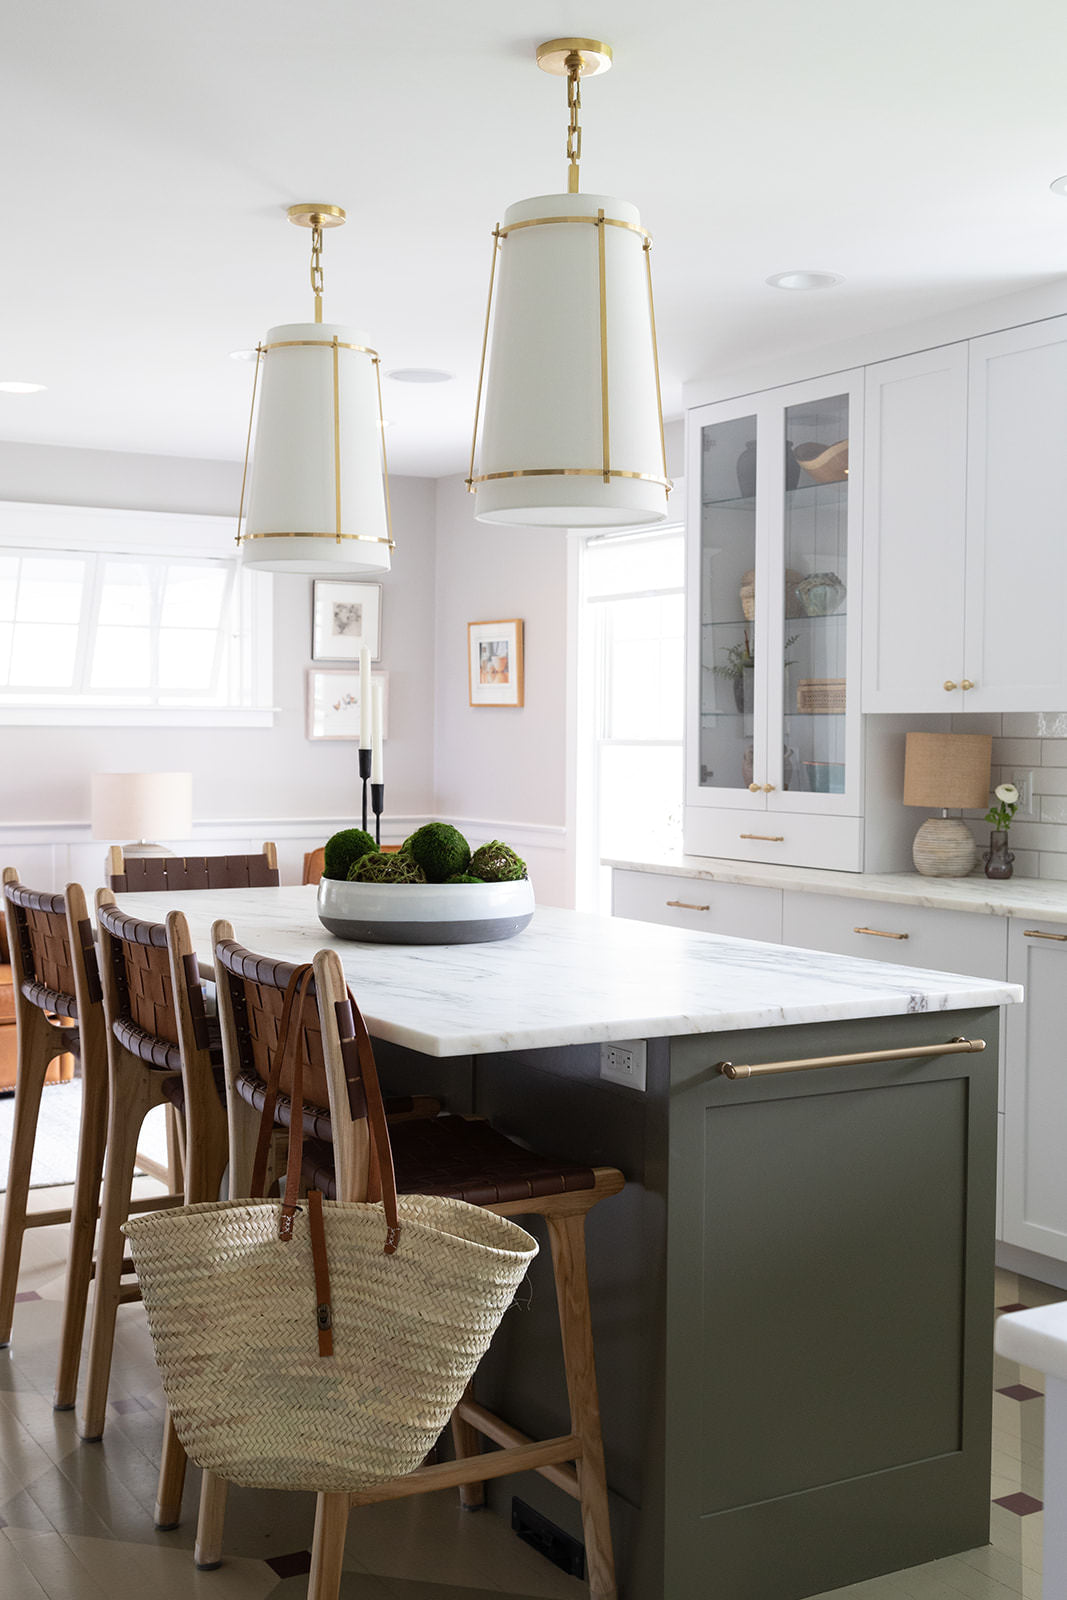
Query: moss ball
{"type": "Point", "coordinates": [377, 867]}
{"type": "Point", "coordinates": [440, 850]}
{"type": "Point", "coordinates": [463, 877]}
{"type": "Point", "coordinates": [497, 862]}
{"type": "Point", "coordinates": [343, 850]}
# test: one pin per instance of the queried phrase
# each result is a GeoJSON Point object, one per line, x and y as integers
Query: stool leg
{"type": "Point", "coordinates": [171, 1479]}
{"type": "Point", "coordinates": [328, 1546]}
{"type": "Point", "coordinates": [92, 1139]}
{"type": "Point", "coordinates": [129, 1103]}
{"type": "Point", "coordinates": [207, 1551]}
{"type": "Point", "coordinates": [468, 1442]}
{"type": "Point", "coordinates": [32, 1065]}
{"type": "Point", "coordinates": [567, 1238]}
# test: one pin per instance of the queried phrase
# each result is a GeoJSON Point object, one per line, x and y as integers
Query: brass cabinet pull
{"type": "Point", "coordinates": [954, 1047]}
{"type": "Point", "coordinates": [965, 683]}
{"type": "Point", "coordinates": [754, 788]}
{"type": "Point", "coordinates": [950, 685]}
{"type": "Point", "coordinates": [880, 933]}
{"type": "Point", "coordinates": [1035, 933]}
{"type": "Point", "coordinates": [767, 788]}
{"type": "Point", "coordinates": [684, 905]}
{"type": "Point", "coordinates": [769, 838]}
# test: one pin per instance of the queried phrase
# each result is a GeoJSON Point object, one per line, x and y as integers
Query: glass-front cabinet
{"type": "Point", "coordinates": [773, 736]}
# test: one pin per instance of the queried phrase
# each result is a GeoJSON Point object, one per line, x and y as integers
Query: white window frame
{"type": "Point", "coordinates": [96, 531]}
{"type": "Point", "coordinates": [588, 713]}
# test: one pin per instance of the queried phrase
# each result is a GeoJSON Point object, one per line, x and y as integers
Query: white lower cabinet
{"type": "Point", "coordinates": [1035, 1120]}
{"type": "Point", "coordinates": [740, 910]}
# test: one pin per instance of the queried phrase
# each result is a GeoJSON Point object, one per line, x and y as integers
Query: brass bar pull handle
{"type": "Point", "coordinates": [685, 905]}
{"type": "Point", "coordinates": [954, 1047]}
{"type": "Point", "coordinates": [770, 838]}
{"type": "Point", "coordinates": [880, 933]}
{"type": "Point", "coordinates": [1035, 933]}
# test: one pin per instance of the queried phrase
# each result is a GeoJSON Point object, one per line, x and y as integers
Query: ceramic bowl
{"type": "Point", "coordinates": [424, 913]}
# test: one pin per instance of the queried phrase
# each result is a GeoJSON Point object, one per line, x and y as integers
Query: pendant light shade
{"type": "Point", "coordinates": [568, 412]}
{"type": "Point", "coordinates": [316, 486]}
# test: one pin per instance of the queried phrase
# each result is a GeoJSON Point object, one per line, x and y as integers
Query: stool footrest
{"type": "Point", "coordinates": [502, 1433]}
{"type": "Point", "coordinates": [128, 1292]}
{"type": "Point", "coordinates": [448, 1474]}
{"type": "Point", "coordinates": [47, 1219]}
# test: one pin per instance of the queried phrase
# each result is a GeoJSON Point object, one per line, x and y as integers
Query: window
{"type": "Point", "coordinates": [631, 702]}
{"type": "Point", "coordinates": [113, 616]}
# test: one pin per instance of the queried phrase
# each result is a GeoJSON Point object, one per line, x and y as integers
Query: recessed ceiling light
{"type": "Point", "coordinates": [1059, 185]}
{"type": "Point", "coordinates": [420, 375]}
{"type": "Point", "coordinates": [802, 278]}
{"type": "Point", "coordinates": [243, 355]}
{"type": "Point", "coordinates": [22, 388]}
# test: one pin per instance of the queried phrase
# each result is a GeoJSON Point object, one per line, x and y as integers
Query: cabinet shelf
{"type": "Point", "coordinates": [790, 716]}
{"type": "Point", "coordinates": [746, 622]}
{"type": "Point", "coordinates": [803, 494]}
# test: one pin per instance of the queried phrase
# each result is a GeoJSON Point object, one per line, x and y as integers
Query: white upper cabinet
{"type": "Point", "coordinates": [965, 585]}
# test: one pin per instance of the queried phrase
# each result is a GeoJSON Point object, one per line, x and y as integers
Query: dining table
{"type": "Point", "coordinates": [792, 1296]}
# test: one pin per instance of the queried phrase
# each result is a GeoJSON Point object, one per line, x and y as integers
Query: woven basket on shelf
{"type": "Point", "coordinates": [794, 605]}
{"type": "Point", "coordinates": [821, 694]}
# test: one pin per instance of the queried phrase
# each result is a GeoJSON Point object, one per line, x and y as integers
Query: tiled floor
{"type": "Point", "coordinates": [76, 1519]}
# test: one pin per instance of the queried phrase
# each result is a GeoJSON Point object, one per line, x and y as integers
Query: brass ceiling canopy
{"type": "Point", "coordinates": [313, 215]}
{"type": "Point", "coordinates": [556, 56]}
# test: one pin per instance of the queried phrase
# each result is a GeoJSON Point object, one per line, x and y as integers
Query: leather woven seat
{"type": "Point", "coordinates": [461, 1160]}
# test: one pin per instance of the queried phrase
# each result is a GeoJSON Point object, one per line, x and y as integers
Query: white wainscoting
{"type": "Point", "coordinates": [47, 855]}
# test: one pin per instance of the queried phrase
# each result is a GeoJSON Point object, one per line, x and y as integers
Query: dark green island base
{"type": "Point", "coordinates": [792, 1299]}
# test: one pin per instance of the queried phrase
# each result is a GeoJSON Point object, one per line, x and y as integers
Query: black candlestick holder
{"type": "Point", "coordinates": [377, 801]}
{"type": "Point", "coordinates": [364, 772]}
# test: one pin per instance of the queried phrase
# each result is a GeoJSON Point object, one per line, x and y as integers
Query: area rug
{"type": "Point", "coordinates": [55, 1150]}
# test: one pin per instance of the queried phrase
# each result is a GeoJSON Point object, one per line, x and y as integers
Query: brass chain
{"type": "Point", "coordinates": [316, 268]}
{"type": "Point", "coordinates": [574, 107]}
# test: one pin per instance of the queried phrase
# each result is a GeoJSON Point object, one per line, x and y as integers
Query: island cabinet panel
{"type": "Point", "coordinates": [1035, 1144]}
{"type": "Point", "coordinates": [830, 1266]}
{"type": "Point", "coordinates": [736, 909]}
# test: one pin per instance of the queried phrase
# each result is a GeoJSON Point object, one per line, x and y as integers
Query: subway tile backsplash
{"type": "Point", "coordinates": [1028, 741]}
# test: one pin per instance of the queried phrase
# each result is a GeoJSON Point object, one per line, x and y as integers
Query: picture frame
{"type": "Point", "coordinates": [333, 703]}
{"type": "Point", "coordinates": [345, 616]}
{"type": "Point", "coordinates": [495, 672]}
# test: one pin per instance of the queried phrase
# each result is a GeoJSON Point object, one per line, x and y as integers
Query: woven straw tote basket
{"type": "Point", "coordinates": [279, 1376]}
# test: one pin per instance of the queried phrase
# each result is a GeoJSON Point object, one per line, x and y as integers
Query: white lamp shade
{"type": "Point", "coordinates": [543, 411]}
{"type": "Point", "coordinates": [142, 805]}
{"type": "Point", "coordinates": [294, 515]}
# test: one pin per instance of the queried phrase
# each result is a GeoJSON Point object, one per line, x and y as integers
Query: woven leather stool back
{"type": "Point", "coordinates": [133, 874]}
{"type": "Point", "coordinates": [46, 958]}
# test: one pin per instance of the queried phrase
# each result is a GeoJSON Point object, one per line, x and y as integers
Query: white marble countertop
{"type": "Point", "coordinates": [571, 978]}
{"type": "Point", "coordinates": [1035, 1338]}
{"type": "Point", "coordinates": [1042, 899]}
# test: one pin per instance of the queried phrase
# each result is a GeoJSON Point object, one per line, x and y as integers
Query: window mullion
{"type": "Point", "coordinates": [92, 589]}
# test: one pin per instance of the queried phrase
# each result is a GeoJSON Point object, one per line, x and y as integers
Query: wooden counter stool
{"type": "Point", "coordinates": [133, 874]}
{"type": "Point", "coordinates": [160, 1051]}
{"type": "Point", "coordinates": [54, 984]}
{"type": "Point", "coordinates": [454, 1156]}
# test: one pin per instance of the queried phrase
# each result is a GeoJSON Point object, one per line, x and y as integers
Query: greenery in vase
{"type": "Point", "coordinates": [739, 657]}
{"type": "Point", "coordinates": [999, 817]}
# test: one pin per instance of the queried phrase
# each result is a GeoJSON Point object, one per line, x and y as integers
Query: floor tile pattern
{"type": "Point", "coordinates": [76, 1519]}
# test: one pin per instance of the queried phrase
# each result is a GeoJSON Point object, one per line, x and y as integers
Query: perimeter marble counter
{"type": "Point", "coordinates": [791, 1295]}
{"type": "Point", "coordinates": [571, 978]}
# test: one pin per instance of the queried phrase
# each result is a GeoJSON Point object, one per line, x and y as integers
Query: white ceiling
{"type": "Point", "coordinates": [151, 151]}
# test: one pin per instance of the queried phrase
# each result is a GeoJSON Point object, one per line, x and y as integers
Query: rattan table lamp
{"type": "Point", "coordinates": [947, 770]}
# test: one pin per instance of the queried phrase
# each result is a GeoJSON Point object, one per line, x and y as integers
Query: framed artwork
{"type": "Point", "coordinates": [494, 662]}
{"type": "Point", "coordinates": [333, 703]}
{"type": "Point", "coordinates": [344, 617]}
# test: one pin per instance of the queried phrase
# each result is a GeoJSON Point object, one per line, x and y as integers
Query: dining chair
{"type": "Point", "coordinates": [58, 1012]}
{"type": "Point", "coordinates": [463, 1158]}
{"type": "Point", "coordinates": [133, 874]}
{"type": "Point", "coordinates": [314, 864]}
{"type": "Point", "coordinates": [162, 1049]}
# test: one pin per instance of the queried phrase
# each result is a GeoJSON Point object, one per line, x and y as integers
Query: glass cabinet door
{"type": "Point", "coordinates": [727, 738]}
{"type": "Point", "coordinates": [815, 549]}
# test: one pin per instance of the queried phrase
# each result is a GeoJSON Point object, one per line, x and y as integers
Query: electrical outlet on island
{"type": "Point", "coordinates": [623, 1061]}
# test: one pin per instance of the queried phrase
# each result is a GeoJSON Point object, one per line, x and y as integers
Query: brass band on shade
{"type": "Point", "coordinates": [570, 472]}
{"type": "Point", "coordinates": [331, 344]}
{"type": "Point", "coordinates": [544, 222]}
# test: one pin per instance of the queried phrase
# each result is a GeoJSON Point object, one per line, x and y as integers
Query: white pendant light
{"type": "Point", "coordinates": [318, 486]}
{"type": "Point", "coordinates": [572, 428]}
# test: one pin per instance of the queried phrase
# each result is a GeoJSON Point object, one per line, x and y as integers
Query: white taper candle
{"type": "Point", "coordinates": [364, 698]}
{"type": "Point", "coordinates": [377, 772]}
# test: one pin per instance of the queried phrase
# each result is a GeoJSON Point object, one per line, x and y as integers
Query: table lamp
{"type": "Point", "coordinates": [141, 807]}
{"type": "Point", "coordinates": [946, 770]}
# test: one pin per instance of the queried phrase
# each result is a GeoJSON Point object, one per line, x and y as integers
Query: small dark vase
{"type": "Point", "coordinates": [792, 466]}
{"type": "Point", "coordinates": [998, 858]}
{"type": "Point", "coordinates": [746, 470]}
{"type": "Point", "coordinates": [743, 689]}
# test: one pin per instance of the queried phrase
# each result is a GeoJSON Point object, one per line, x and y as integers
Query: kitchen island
{"type": "Point", "coordinates": [792, 1297]}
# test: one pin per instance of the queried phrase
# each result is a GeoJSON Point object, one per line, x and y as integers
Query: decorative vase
{"type": "Point", "coordinates": [746, 470]}
{"type": "Point", "coordinates": [998, 858]}
{"type": "Point", "coordinates": [743, 689]}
